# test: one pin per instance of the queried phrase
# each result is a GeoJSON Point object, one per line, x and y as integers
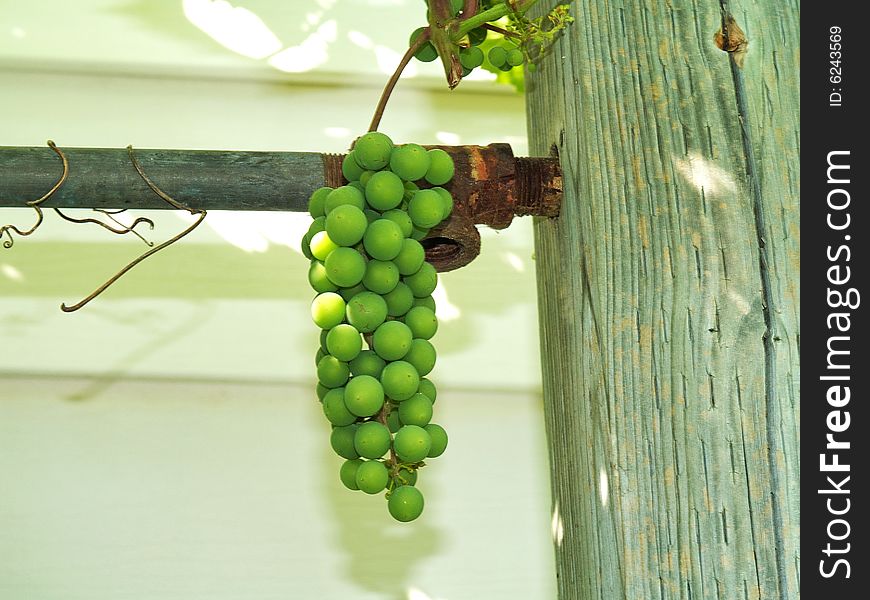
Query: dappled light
{"type": "Point", "coordinates": [311, 53]}
{"type": "Point", "coordinates": [236, 28]}
{"type": "Point", "coordinates": [704, 175]}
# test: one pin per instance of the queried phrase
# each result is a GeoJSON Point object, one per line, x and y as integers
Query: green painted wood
{"type": "Point", "coordinates": [211, 180]}
{"type": "Point", "coordinates": [668, 299]}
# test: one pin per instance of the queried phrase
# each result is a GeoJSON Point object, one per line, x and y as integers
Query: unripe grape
{"type": "Point", "coordinates": [410, 258]}
{"type": "Point", "coordinates": [344, 342]}
{"type": "Point", "coordinates": [422, 322]}
{"type": "Point", "coordinates": [471, 58]}
{"type": "Point", "coordinates": [350, 168]}
{"type": "Point", "coordinates": [383, 239]}
{"type": "Point", "coordinates": [367, 363]}
{"type": "Point", "coordinates": [321, 391]}
{"type": "Point", "coordinates": [327, 310]}
{"type": "Point", "coordinates": [345, 267]}
{"type": "Point", "coordinates": [332, 373]}
{"type": "Point", "coordinates": [412, 443]}
{"type": "Point", "coordinates": [372, 440]}
{"type": "Point", "coordinates": [400, 380]}
{"type": "Point", "coordinates": [322, 245]}
{"type": "Point", "coordinates": [426, 209]}
{"type": "Point", "coordinates": [372, 477]}
{"type": "Point", "coordinates": [441, 166]}
{"type": "Point", "coordinates": [384, 190]}
{"type": "Point", "coordinates": [346, 225]}
{"type": "Point", "coordinates": [399, 301]}
{"type": "Point", "coordinates": [318, 224]}
{"type": "Point", "coordinates": [409, 161]}
{"type": "Point", "coordinates": [315, 202]}
{"type": "Point", "coordinates": [318, 279]}
{"type": "Point", "coordinates": [515, 57]}
{"type": "Point", "coordinates": [405, 476]}
{"type": "Point", "coordinates": [428, 389]}
{"type": "Point", "coordinates": [363, 395]}
{"type": "Point", "coordinates": [320, 354]}
{"type": "Point", "coordinates": [381, 276]}
{"type": "Point", "coordinates": [347, 473]}
{"type": "Point", "coordinates": [416, 410]}
{"type": "Point", "coordinates": [371, 215]}
{"type": "Point", "coordinates": [427, 53]}
{"type": "Point", "coordinates": [405, 503]}
{"type": "Point", "coordinates": [335, 410]}
{"type": "Point", "coordinates": [447, 199]}
{"type": "Point", "coordinates": [419, 233]}
{"type": "Point", "coordinates": [421, 355]}
{"type": "Point", "coordinates": [372, 150]}
{"type": "Point", "coordinates": [349, 292]}
{"type": "Point", "coordinates": [366, 311]}
{"type": "Point", "coordinates": [439, 440]}
{"type": "Point", "coordinates": [346, 194]}
{"type": "Point", "coordinates": [497, 56]}
{"type": "Point", "coordinates": [477, 36]}
{"type": "Point", "coordinates": [341, 440]}
{"type": "Point", "coordinates": [393, 422]}
{"type": "Point", "coordinates": [323, 334]}
{"type": "Point", "coordinates": [422, 283]}
{"type": "Point", "coordinates": [392, 340]}
{"type": "Point", "coordinates": [427, 301]}
{"type": "Point", "coordinates": [365, 176]}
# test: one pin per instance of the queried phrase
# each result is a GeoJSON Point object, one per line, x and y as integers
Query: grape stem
{"type": "Point", "coordinates": [421, 40]}
{"type": "Point", "coordinates": [382, 419]}
{"type": "Point", "coordinates": [499, 30]}
{"type": "Point", "coordinates": [492, 14]}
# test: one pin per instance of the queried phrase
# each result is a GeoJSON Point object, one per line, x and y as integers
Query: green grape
{"type": "Point", "coordinates": [422, 283]}
{"type": "Point", "coordinates": [327, 310]}
{"type": "Point", "coordinates": [441, 166]}
{"type": "Point", "coordinates": [335, 410]}
{"type": "Point", "coordinates": [371, 215]}
{"type": "Point", "coordinates": [366, 311]}
{"type": "Point", "coordinates": [347, 473]}
{"type": "Point", "coordinates": [405, 476]}
{"type": "Point", "coordinates": [381, 276]}
{"type": "Point", "coordinates": [320, 354]}
{"type": "Point", "coordinates": [349, 292]}
{"type": "Point", "coordinates": [412, 443]}
{"type": "Point", "coordinates": [400, 380]}
{"type": "Point", "coordinates": [422, 355]}
{"type": "Point", "coordinates": [345, 267]}
{"type": "Point", "coordinates": [447, 200]}
{"type": "Point", "coordinates": [318, 279]}
{"type": "Point", "coordinates": [427, 53]}
{"type": "Point", "coordinates": [321, 391]}
{"type": "Point", "coordinates": [393, 422]}
{"type": "Point", "coordinates": [367, 363]}
{"type": "Point", "coordinates": [306, 247]}
{"type": "Point", "coordinates": [357, 186]}
{"type": "Point", "coordinates": [410, 188]}
{"type": "Point", "coordinates": [427, 301]}
{"type": "Point", "coordinates": [350, 168]}
{"type": "Point", "coordinates": [363, 395]}
{"type": "Point", "coordinates": [426, 209]}
{"type": "Point", "coordinates": [416, 410]}
{"type": "Point", "coordinates": [422, 322]}
{"type": "Point", "coordinates": [315, 202]}
{"type": "Point", "coordinates": [410, 258]}
{"type": "Point", "coordinates": [372, 440]}
{"type": "Point", "coordinates": [392, 340]}
{"type": "Point", "coordinates": [405, 503]}
{"type": "Point", "coordinates": [346, 194]}
{"type": "Point", "coordinates": [365, 176]}
{"type": "Point", "coordinates": [466, 71]}
{"type": "Point", "coordinates": [341, 440]}
{"type": "Point", "coordinates": [497, 56]}
{"type": "Point", "coordinates": [439, 440]}
{"type": "Point", "coordinates": [318, 224]}
{"type": "Point", "coordinates": [331, 372]}
{"type": "Point", "coordinates": [400, 300]}
{"type": "Point", "coordinates": [515, 57]}
{"type": "Point", "coordinates": [409, 161]}
{"type": "Point", "coordinates": [322, 245]}
{"type": "Point", "coordinates": [372, 150]}
{"type": "Point", "coordinates": [419, 233]}
{"type": "Point", "coordinates": [400, 218]}
{"type": "Point", "coordinates": [505, 67]}
{"type": "Point", "coordinates": [346, 225]}
{"type": "Point", "coordinates": [428, 389]}
{"type": "Point", "coordinates": [372, 477]}
{"type": "Point", "coordinates": [323, 334]}
{"type": "Point", "coordinates": [384, 190]}
{"type": "Point", "coordinates": [344, 342]}
{"type": "Point", "coordinates": [471, 58]}
{"type": "Point", "coordinates": [477, 36]}
{"type": "Point", "coordinates": [383, 239]}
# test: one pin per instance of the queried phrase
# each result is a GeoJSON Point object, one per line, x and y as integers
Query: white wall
{"type": "Point", "coordinates": [164, 441]}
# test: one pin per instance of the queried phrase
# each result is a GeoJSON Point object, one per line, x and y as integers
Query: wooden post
{"type": "Point", "coordinates": [669, 300]}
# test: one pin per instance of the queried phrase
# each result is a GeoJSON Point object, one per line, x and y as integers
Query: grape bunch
{"type": "Point", "coordinates": [375, 308]}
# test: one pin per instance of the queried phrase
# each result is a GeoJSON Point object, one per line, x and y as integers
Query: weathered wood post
{"type": "Point", "coordinates": [669, 300]}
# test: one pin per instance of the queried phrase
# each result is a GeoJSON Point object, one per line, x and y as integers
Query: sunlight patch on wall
{"type": "Point", "coordinates": [11, 272]}
{"type": "Point", "coordinates": [704, 175]}
{"type": "Point", "coordinates": [311, 53]}
{"type": "Point", "coordinates": [256, 231]}
{"type": "Point", "coordinates": [448, 137]}
{"type": "Point", "coordinates": [236, 28]}
{"type": "Point", "coordinates": [444, 309]}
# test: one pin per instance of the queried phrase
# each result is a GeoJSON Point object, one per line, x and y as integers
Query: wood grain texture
{"type": "Point", "coordinates": [668, 295]}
